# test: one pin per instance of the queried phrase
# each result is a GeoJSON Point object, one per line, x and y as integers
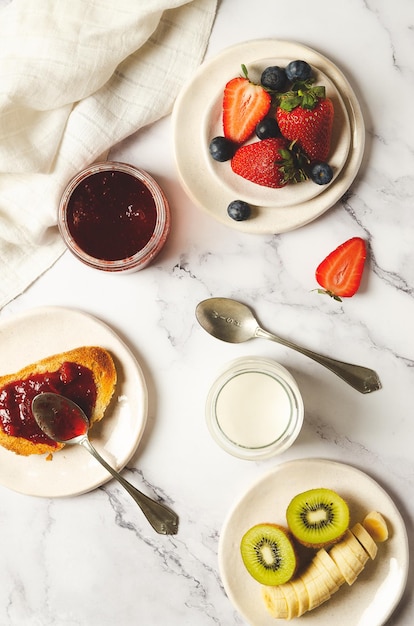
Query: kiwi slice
{"type": "Point", "coordinates": [317, 517]}
{"type": "Point", "coordinates": [268, 553]}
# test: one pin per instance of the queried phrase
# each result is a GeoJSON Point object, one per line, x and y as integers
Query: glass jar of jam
{"type": "Point", "coordinates": [114, 217]}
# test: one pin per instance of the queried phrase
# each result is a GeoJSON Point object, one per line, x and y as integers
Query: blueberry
{"type": "Point", "coordinates": [239, 210]}
{"type": "Point", "coordinates": [298, 70]}
{"type": "Point", "coordinates": [268, 127]}
{"type": "Point", "coordinates": [273, 77]}
{"type": "Point", "coordinates": [321, 173]}
{"type": "Point", "coordinates": [222, 149]}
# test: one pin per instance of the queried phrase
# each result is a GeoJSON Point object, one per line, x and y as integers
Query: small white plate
{"type": "Point", "coordinates": [212, 186]}
{"type": "Point", "coordinates": [372, 598]}
{"type": "Point", "coordinates": [45, 331]}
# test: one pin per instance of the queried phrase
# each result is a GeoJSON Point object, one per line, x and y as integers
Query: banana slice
{"type": "Point", "coordinates": [365, 540]}
{"type": "Point", "coordinates": [356, 548]}
{"type": "Point", "coordinates": [376, 525]}
{"type": "Point", "coordinates": [322, 556]}
{"type": "Point", "coordinates": [302, 595]}
{"type": "Point", "coordinates": [275, 602]}
{"type": "Point", "coordinates": [328, 580]}
{"type": "Point", "coordinates": [320, 575]}
{"type": "Point", "coordinates": [349, 571]}
{"type": "Point", "coordinates": [318, 592]}
{"type": "Point", "coordinates": [353, 552]}
{"type": "Point", "coordinates": [292, 600]}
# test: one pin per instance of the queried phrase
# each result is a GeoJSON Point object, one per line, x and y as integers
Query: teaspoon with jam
{"type": "Point", "coordinates": [64, 421]}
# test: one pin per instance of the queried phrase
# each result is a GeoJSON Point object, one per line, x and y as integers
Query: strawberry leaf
{"type": "Point", "coordinates": [326, 292]}
{"type": "Point", "coordinates": [302, 84]}
{"type": "Point", "coordinates": [291, 166]}
{"type": "Point", "coordinates": [290, 101]}
{"type": "Point", "coordinates": [319, 91]}
{"type": "Point", "coordinates": [305, 96]}
{"type": "Point", "coordinates": [309, 100]}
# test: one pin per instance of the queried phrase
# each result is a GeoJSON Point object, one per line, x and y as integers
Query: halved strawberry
{"type": "Point", "coordinates": [265, 162]}
{"type": "Point", "coordinates": [306, 116]}
{"type": "Point", "coordinates": [341, 272]}
{"type": "Point", "coordinates": [244, 105]}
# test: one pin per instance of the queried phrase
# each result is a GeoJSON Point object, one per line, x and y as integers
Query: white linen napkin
{"type": "Point", "coordinates": [76, 78]}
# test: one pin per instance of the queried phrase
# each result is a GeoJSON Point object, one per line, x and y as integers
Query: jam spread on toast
{"type": "Point", "coordinates": [72, 380]}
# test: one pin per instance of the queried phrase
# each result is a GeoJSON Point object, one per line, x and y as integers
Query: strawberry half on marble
{"type": "Point", "coordinates": [341, 271]}
{"type": "Point", "coordinates": [306, 116]}
{"type": "Point", "coordinates": [245, 104]}
{"type": "Point", "coordinates": [268, 162]}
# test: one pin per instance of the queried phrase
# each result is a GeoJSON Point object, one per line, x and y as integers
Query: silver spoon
{"type": "Point", "coordinates": [64, 421]}
{"type": "Point", "coordinates": [234, 322]}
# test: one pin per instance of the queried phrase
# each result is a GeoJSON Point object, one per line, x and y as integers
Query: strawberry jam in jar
{"type": "Point", "coordinates": [114, 217]}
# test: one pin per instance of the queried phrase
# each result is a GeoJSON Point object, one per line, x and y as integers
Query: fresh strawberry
{"type": "Point", "coordinates": [244, 105]}
{"type": "Point", "coordinates": [306, 116]}
{"type": "Point", "coordinates": [268, 162]}
{"type": "Point", "coordinates": [340, 273]}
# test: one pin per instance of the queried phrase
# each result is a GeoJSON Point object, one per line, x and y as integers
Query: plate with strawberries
{"type": "Point", "coordinates": [268, 136]}
{"type": "Point", "coordinates": [245, 174]}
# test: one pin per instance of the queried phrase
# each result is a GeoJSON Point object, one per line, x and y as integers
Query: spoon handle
{"type": "Point", "coordinates": [161, 518]}
{"type": "Point", "coordinates": [360, 378]}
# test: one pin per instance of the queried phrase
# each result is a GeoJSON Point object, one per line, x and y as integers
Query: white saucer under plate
{"type": "Point", "coordinates": [45, 331]}
{"type": "Point", "coordinates": [212, 186]}
{"type": "Point", "coordinates": [372, 598]}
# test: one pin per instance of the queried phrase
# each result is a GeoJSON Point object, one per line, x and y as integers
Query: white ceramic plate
{"type": "Point", "coordinates": [42, 332]}
{"type": "Point", "coordinates": [376, 593]}
{"type": "Point", "coordinates": [212, 186]}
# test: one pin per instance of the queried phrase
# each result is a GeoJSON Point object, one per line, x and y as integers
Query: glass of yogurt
{"type": "Point", "coordinates": [254, 409]}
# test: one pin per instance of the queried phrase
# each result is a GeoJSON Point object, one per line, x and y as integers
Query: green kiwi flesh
{"type": "Point", "coordinates": [269, 554]}
{"type": "Point", "coordinates": [317, 517]}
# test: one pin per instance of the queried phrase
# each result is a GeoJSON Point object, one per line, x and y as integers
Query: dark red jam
{"type": "Point", "coordinates": [111, 215]}
{"type": "Point", "coordinates": [71, 380]}
{"type": "Point", "coordinates": [66, 423]}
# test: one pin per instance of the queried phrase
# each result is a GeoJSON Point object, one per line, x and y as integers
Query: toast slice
{"type": "Point", "coordinates": [86, 375]}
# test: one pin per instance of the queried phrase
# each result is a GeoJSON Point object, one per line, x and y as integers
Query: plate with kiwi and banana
{"type": "Point", "coordinates": [314, 540]}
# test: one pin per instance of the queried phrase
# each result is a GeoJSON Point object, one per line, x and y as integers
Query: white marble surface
{"type": "Point", "coordinates": [93, 560]}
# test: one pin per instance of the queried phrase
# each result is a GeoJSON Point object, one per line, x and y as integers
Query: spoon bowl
{"type": "Point", "coordinates": [226, 319]}
{"type": "Point", "coordinates": [232, 321]}
{"type": "Point", "coordinates": [64, 421]}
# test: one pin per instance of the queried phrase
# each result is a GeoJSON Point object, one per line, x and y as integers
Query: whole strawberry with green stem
{"type": "Point", "coordinates": [305, 115]}
{"type": "Point", "coordinates": [268, 162]}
